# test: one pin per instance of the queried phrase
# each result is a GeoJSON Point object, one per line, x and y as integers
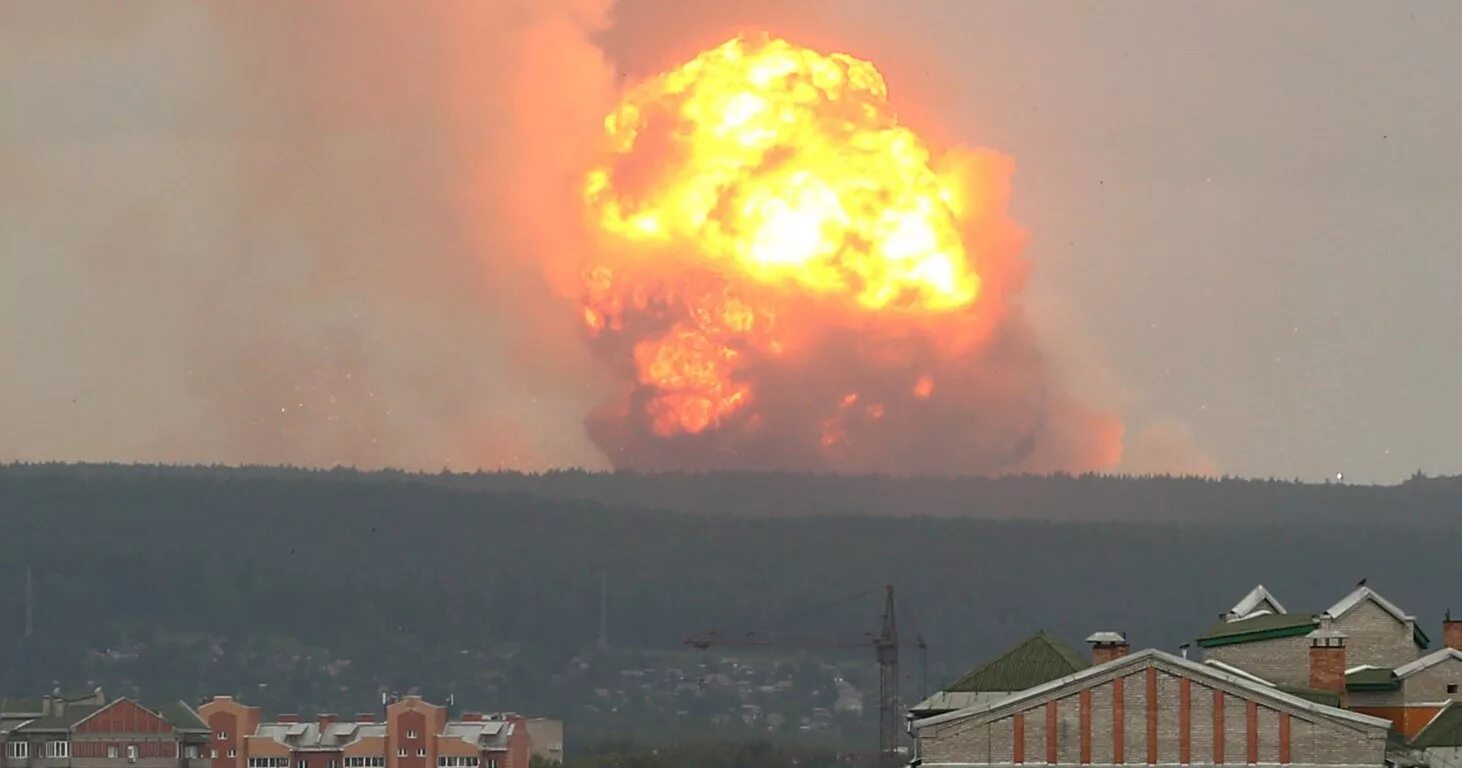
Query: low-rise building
{"type": "Point", "coordinates": [92, 732]}
{"type": "Point", "coordinates": [413, 733]}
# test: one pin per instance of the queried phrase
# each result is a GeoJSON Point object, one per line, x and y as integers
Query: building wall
{"type": "Point", "coordinates": [1375, 637]}
{"type": "Point", "coordinates": [520, 749]}
{"type": "Point", "coordinates": [229, 725]}
{"type": "Point", "coordinates": [408, 715]}
{"type": "Point", "coordinates": [1168, 720]}
{"type": "Point", "coordinates": [1282, 660]}
{"type": "Point", "coordinates": [545, 737]}
{"type": "Point", "coordinates": [1430, 684]}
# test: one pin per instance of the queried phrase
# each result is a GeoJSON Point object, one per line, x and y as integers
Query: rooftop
{"type": "Point", "coordinates": [1445, 730]}
{"type": "Point", "coordinates": [1262, 627]}
{"type": "Point", "coordinates": [1040, 658]}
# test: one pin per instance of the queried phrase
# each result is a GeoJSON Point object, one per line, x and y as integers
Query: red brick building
{"type": "Point", "coordinates": [412, 734]}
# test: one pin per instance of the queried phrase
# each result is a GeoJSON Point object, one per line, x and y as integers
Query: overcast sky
{"type": "Point", "coordinates": [1243, 217]}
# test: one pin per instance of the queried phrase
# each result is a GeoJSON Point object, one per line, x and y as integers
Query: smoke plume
{"type": "Point", "coordinates": [356, 233]}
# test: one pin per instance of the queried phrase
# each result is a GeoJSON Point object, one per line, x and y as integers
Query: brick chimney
{"type": "Point", "coordinates": [288, 717]}
{"type": "Point", "coordinates": [325, 721]}
{"type": "Point", "coordinates": [1452, 632]}
{"type": "Point", "coordinates": [365, 717]}
{"type": "Point", "coordinates": [1107, 646]}
{"type": "Point", "coordinates": [1327, 661]}
{"type": "Point", "coordinates": [472, 717]}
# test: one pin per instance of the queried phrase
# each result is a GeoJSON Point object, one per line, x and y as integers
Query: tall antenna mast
{"type": "Point", "coordinates": [603, 611]}
{"type": "Point", "coordinates": [29, 602]}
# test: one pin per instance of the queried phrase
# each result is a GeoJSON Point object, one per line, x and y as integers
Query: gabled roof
{"type": "Point", "coordinates": [1154, 657]}
{"type": "Point", "coordinates": [1429, 660]}
{"type": "Point", "coordinates": [1445, 729]}
{"type": "Point", "coordinates": [1362, 594]}
{"type": "Point", "coordinates": [1328, 698]}
{"type": "Point", "coordinates": [1254, 601]}
{"type": "Point", "coordinates": [1262, 627]}
{"type": "Point", "coordinates": [1037, 659]}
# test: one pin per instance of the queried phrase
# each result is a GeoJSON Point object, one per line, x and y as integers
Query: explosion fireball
{"type": "Point", "coordinates": [786, 276]}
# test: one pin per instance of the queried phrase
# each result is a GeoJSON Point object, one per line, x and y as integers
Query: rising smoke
{"type": "Point", "coordinates": [352, 233]}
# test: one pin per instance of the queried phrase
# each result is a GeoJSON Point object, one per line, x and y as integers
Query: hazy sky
{"type": "Point", "coordinates": [1243, 217]}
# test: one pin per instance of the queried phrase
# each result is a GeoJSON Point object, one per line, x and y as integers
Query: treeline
{"type": "Point", "coordinates": [305, 590]}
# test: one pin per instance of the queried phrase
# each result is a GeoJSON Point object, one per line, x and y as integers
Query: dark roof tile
{"type": "Point", "coordinates": [1038, 659]}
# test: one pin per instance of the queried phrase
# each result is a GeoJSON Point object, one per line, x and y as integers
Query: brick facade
{"type": "Point", "coordinates": [1168, 706]}
{"type": "Point", "coordinates": [1281, 660]}
{"type": "Point", "coordinates": [1376, 637]}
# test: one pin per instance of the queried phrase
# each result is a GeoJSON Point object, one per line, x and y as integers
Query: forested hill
{"type": "Point", "coordinates": [315, 590]}
{"type": "Point", "coordinates": [1088, 498]}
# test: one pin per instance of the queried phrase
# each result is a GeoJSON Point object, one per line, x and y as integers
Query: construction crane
{"type": "Point", "coordinates": [885, 647]}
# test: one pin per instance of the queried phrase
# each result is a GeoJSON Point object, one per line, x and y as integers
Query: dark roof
{"type": "Point", "coordinates": [1264, 627]}
{"type": "Point", "coordinates": [1377, 679]}
{"type": "Point", "coordinates": [1445, 730]}
{"type": "Point", "coordinates": [1038, 659]}
{"type": "Point", "coordinates": [73, 714]}
{"type": "Point", "coordinates": [182, 716]}
{"type": "Point", "coordinates": [1328, 698]}
{"type": "Point", "coordinates": [10, 706]}
{"type": "Point", "coordinates": [179, 714]}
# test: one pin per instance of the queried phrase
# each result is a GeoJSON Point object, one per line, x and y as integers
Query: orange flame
{"type": "Point", "coordinates": [782, 270]}
{"type": "Point", "coordinates": [789, 168]}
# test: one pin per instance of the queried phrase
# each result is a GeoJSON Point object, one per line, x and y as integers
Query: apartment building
{"type": "Point", "coordinates": [410, 733]}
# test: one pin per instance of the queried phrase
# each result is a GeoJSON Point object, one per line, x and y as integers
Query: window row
{"type": "Point", "coordinates": [365, 762]}
{"type": "Point", "coordinates": [268, 762]}
{"type": "Point", "coordinates": [420, 752]}
{"type": "Point", "coordinates": [457, 762]}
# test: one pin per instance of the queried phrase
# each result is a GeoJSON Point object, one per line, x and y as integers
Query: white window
{"type": "Point", "coordinates": [492, 762]}
{"type": "Point", "coordinates": [367, 762]}
{"type": "Point", "coordinates": [334, 764]}
{"type": "Point", "coordinates": [132, 752]}
{"type": "Point", "coordinates": [213, 755]}
{"type": "Point", "coordinates": [421, 752]}
{"type": "Point", "coordinates": [58, 749]}
{"type": "Point", "coordinates": [401, 752]}
{"type": "Point", "coordinates": [232, 753]}
{"type": "Point", "coordinates": [190, 751]}
{"type": "Point", "coordinates": [113, 751]}
{"type": "Point", "coordinates": [222, 735]}
{"type": "Point", "coordinates": [268, 762]}
{"type": "Point", "coordinates": [18, 749]}
{"type": "Point", "coordinates": [302, 764]}
{"type": "Point", "coordinates": [411, 734]}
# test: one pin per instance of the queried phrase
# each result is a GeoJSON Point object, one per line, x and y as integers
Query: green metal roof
{"type": "Point", "coordinates": [1266, 627]}
{"type": "Point", "coordinates": [1419, 637]}
{"type": "Point", "coordinates": [182, 717]}
{"type": "Point", "coordinates": [1038, 659]}
{"type": "Point", "coordinates": [1445, 730]}
{"type": "Point", "coordinates": [1328, 698]}
{"type": "Point", "coordinates": [73, 714]}
{"type": "Point", "coordinates": [1372, 680]}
